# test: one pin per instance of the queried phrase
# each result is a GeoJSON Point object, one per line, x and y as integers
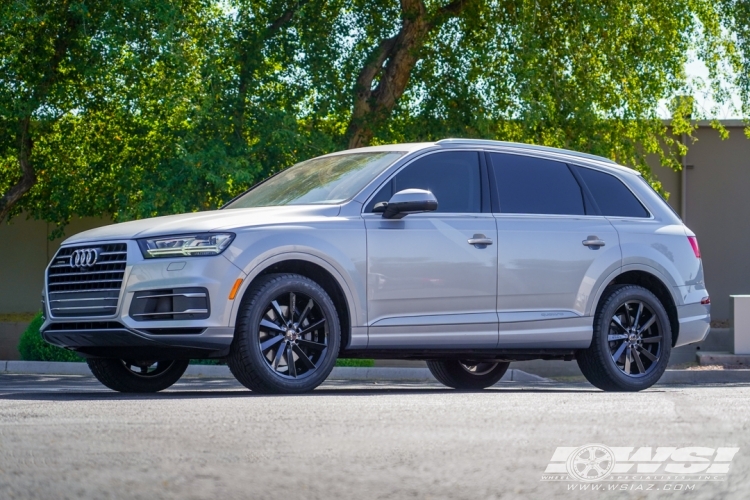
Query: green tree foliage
{"type": "Point", "coordinates": [135, 108]}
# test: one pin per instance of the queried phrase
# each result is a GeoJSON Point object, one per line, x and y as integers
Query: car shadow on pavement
{"type": "Point", "coordinates": [40, 393]}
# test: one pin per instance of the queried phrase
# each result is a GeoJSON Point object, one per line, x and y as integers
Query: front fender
{"type": "Point", "coordinates": [340, 251]}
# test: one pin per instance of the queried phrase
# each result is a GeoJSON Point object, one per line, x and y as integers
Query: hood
{"type": "Point", "coordinates": [200, 222]}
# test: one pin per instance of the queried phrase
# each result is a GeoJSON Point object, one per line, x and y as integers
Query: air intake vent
{"type": "Point", "coordinates": [88, 325]}
{"type": "Point", "coordinates": [85, 281]}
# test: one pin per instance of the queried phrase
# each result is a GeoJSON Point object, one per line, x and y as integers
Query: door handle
{"type": "Point", "coordinates": [480, 239]}
{"type": "Point", "coordinates": [593, 241]}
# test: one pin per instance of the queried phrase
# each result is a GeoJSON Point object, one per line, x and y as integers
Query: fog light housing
{"type": "Point", "coordinates": [170, 304]}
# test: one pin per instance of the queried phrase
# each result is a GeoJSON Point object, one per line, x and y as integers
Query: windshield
{"type": "Point", "coordinates": [326, 180]}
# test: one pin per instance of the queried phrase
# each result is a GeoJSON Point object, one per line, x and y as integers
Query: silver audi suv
{"type": "Point", "coordinates": [468, 254]}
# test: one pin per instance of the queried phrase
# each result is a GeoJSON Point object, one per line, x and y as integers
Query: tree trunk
{"type": "Point", "coordinates": [391, 63]}
{"type": "Point", "coordinates": [23, 136]}
{"type": "Point", "coordinates": [28, 178]}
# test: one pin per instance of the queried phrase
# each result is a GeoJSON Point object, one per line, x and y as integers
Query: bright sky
{"type": "Point", "coordinates": [696, 70]}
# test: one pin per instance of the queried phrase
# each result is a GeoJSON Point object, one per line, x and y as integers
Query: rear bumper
{"type": "Point", "coordinates": [695, 323]}
{"type": "Point", "coordinates": [113, 339]}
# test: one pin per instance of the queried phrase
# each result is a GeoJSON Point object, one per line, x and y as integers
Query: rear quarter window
{"type": "Point", "coordinates": [612, 196]}
{"type": "Point", "coordinates": [529, 185]}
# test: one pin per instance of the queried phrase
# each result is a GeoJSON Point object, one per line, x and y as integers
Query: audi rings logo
{"type": "Point", "coordinates": [84, 257]}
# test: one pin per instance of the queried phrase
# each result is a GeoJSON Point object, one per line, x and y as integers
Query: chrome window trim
{"type": "Point", "coordinates": [551, 156]}
{"type": "Point", "coordinates": [525, 147]}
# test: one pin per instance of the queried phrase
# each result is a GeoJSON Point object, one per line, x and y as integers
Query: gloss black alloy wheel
{"type": "Point", "coordinates": [634, 339]}
{"type": "Point", "coordinates": [467, 374]}
{"type": "Point", "coordinates": [147, 368]}
{"type": "Point", "coordinates": [293, 335]}
{"type": "Point", "coordinates": [137, 375]}
{"type": "Point", "coordinates": [287, 335]}
{"type": "Point", "coordinates": [478, 367]}
{"type": "Point", "coordinates": [631, 342]}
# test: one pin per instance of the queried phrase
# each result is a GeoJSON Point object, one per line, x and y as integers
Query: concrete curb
{"type": "Point", "coordinates": [44, 368]}
{"type": "Point", "coordinates": [414, 375]}
{"type": "Point", "coordinates": [670, 377]}
{"type": "Point", "coordinates": [695, 377]}
{"type": "Point", "coordinates": [723, 358]}
{"type": "Point", "coordinates": [221, 371]}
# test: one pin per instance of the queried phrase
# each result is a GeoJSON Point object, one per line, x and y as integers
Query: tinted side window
{"type": "Point", "coordinates": [527, 185]}
{"type": "Point", "coordinates": [612, 196]}
{"type": "Point", "coordinates": [453, 177]}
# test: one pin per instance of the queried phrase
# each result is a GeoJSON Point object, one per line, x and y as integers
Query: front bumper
{"type": "Point", "coordinates": [120, 335]}
{"type": "Point", "coordinates": [113, 340]}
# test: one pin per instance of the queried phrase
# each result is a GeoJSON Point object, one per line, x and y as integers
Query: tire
{"type": "Point", "coordinates": [267, 337]}
{"type": "Point", "coordinates": [132, 376]}
{"type": "Point", "coordinates": [616, 325]}
{"type": "Point", "coordinates": [458, 374]}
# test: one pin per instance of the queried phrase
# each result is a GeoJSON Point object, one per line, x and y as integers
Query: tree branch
{"type": "Point", "coordinates": [284, 18]}
{"type": "Point", "coordinates": [23, 136]}
{"type": "Point", "coordinates": [28, 179]}
{"type": "Point", "coordinates": [452, 9]}
{"type": "Point", "coordinates": [393, 61]}
{"type": "Point", "coordinates": [249, 56]}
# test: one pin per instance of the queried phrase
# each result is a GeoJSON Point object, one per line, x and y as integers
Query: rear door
{"type": "Point", "coordinates": [553, 251]}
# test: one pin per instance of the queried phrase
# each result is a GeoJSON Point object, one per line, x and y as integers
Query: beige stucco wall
{"type": "Point", "coordinates": [717, 209]}
{"type": "Point", "coordinates": [24, 254]}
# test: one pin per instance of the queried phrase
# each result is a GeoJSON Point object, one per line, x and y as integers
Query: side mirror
{"type": "Point", "coordinates": [408, 201]}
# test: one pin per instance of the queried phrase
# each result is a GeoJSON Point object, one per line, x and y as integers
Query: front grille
{"type": "Point", "coordinates": [92, 290]}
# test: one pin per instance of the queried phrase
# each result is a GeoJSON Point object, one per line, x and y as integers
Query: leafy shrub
{"type": "Point", "coordinates": [33, 347]}
{"type": "Point", "coordinates": [366, 363]}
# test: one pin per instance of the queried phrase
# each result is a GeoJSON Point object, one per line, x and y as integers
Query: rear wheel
{"type": "Point", "coordinates": [137, 375]}
{"type": "Point", "coordinates": [467, 374]}
{"type": "Point", "coordinates": [632, 341]}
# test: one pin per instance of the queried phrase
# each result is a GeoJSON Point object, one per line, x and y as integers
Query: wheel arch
{"type": "Point", "coordinates": [653, 283]}
{"type": "Point", "coordinates": [318, 271]}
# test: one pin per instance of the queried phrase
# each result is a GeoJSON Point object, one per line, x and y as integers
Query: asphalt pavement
{"type": "Point", "coordinates": [69, 437]}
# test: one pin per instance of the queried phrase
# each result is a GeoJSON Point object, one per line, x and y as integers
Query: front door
{"type": "Point", "coordinates": [553, 252]}
{"type": "Point", "coordinates": [428, 286]}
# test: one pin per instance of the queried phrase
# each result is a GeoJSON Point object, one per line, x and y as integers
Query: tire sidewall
{"type": "Point", "coordinates": [269, 292]}
{"type": "Point", "coordinates": [618, 297]}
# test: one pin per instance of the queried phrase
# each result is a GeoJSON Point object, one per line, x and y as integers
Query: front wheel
{"type": "Point", "coordinates": [287, 336]}
{"type": "Point", "coordinates": [632, 341]}
{"type": "Point", "coordinates": [137, 375]}
{"type": "Point", "coordinates": [465, 374]}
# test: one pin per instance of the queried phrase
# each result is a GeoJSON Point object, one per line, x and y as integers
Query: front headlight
{"type": "Point", "coordinates": [192, 245]}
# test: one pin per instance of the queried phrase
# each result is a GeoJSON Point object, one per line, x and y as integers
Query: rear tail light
{"type": "Point", "coordinates": [694, 243]}
{"type": "Point", "coordinates": [706, 300]}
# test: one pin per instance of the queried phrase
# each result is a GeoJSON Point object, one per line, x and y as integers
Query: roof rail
{"type": "Point", "coordinates": [533, 147]}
